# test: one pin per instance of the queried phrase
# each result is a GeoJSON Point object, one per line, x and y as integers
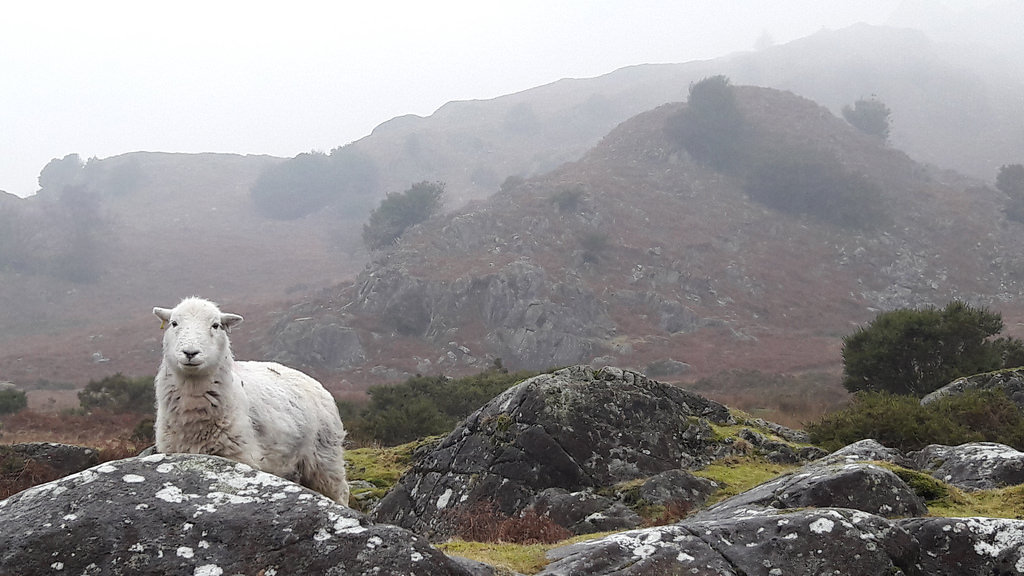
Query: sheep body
{"type": "Point", "coordinates": [263, 414]}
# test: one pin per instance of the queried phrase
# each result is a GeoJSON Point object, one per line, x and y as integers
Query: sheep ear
{"type": "Point", "coordinates": [229, 320]}
{"type": "Point", "coordinates": [163, 314]}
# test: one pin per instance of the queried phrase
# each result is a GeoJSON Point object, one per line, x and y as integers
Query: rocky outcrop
{"type": "Point", "coordinates": [973, 466]}
{"type": "Point", "coordinates": [1009, 381]}
{"type": "Point", "coordinates": [191, 514]}
{"type": "Point", "coordinates": [59, 459]}
{"type": "Point", "coordinates": [576, 429]}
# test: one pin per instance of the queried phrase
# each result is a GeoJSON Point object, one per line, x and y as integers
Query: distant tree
{"type": "Point", "coordinates": [398, 211]}
{"type": "Point", "coordinates": [311, 181]}
{"type": "Point", "coordinates": [119, 393]}
{"type": "Point", "coordinates": [61, 172]}
{"type": "Point", "coordinates": [1010, 181]}
{"type": "Point", "coordinates": [815, 183]}
{"type": "Point", "coordinates": [711, 126]}
{"type": "Point", "coordinates": [914, 352]}
{"type": "Point", "coordinates": [12, 401]}
{"type": "Point", "coordinates": [870, 117]}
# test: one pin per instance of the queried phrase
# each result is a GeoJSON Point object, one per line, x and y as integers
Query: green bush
{"type": "Point", "coordinates": [1010, 181]}
{"type": "Point", "coordinates": [902, 422]}
{"type": "Point", "coordinates": [119, 394]}
{"type": "Point", "coordinates": [915, 352]}
{"type": "Point", "coordinates": [398, 211]}
{"type": "Point", "coordinates": [815, 184]}
{"type": "Point", "coordinates": [311, 181]}
{"type": "Point", "coordinates": [870, 117]}
{"type": "Point", "coordinates": [423, 405]}
{"type": "Point", "coordinates": [12, 401]}
{"type": "Point", "coordinates": [710, 128]}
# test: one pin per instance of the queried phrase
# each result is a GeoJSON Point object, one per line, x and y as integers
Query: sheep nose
{"type": "Point", "coordinates": [190, 354]}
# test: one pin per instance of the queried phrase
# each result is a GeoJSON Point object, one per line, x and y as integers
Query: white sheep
{"type": "Point", "coordinates": [263, 414]}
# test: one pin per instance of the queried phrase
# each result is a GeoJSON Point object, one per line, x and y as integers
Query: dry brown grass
{"type": "Point", "coordinates": [110, 434]}
{"type": "Point", "coordinates": [482, 523]}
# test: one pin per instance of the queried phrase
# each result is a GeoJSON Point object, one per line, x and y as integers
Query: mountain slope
{"type": "Point", "coordinates": [637, 254]}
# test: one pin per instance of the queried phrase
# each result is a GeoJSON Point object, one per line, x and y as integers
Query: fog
{"type": "Point", "coordinates": [102, 79]}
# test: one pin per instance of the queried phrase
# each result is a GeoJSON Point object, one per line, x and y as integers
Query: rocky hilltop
{"type": "Point", "coordinates": [638, 254]}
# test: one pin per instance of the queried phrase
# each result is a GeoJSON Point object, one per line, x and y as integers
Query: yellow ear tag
{"type": "Point", "coordinates": [161, 324]}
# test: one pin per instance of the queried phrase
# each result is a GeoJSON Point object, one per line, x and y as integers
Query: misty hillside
{"type": "Point", "coordinates": [83, 261]}
{"type": "Point", "coordinates": [640, 255]}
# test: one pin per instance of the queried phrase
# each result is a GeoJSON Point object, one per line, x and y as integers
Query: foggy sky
{"type": "Point", "coordinates": [111, 77]}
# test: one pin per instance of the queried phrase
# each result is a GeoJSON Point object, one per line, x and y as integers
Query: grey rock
{"type": "Point", "coordinates": [1009, 381]}
{"type": "Point", "coordinates": [575, 429]}
{"type": "Point", "coordinates": [668, 367]}
{"type": "Point", "coordinates": [679, 487]}
{"type": "Point", "coordinates": [956, 546]}
{"type": "Point", "coordinates": [62, 459]}
{"type": "Point", "coordinates": [197, 514]}
{"type": "Point", "coordinates": [973, 466]}
{"type": "Point", "coordinates": [859, 486]}
{"type": "Point", "coordinates": [866, 451]}
{"type": "Point", "coordinates": [827, 541]}
{"type": "Point", "coordinates": [779, 452]}
{"type": "Point", "coordinates": [321, 341]}
{"type": "Point", "coordinates": [584, 512]}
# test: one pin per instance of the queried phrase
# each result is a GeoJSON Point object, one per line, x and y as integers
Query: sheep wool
{"type": "Point", "coordinates": [263, 414]}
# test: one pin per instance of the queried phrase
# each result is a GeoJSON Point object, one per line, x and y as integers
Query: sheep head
{"type": "Point", "coordinates": [196, 336]}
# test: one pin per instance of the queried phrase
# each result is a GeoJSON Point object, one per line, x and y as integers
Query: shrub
{"type": "Point", "coordinates": [568, 198]}
{"type": "Point", "coordinates": [423, 405]}
{"type": "Point", "coordinates": [482, 523]}
{"type": "Point", "coordinates": [815, 184]}
{"type": "Point", "coordinates": [12, 401]}
{"type": "Point", "coordinates": [902, 422]}
{"type": "Point", "coordinates": [710, 128]}
{"type": "Point", "coordinates": [311, 181]}
{"type": "Point", "coordinates": [915, 352]}
{"type": "Point", "coordinates": [119, 394]}
{"type": "Point", "coordinates": [399, 211]}
{"type": "Point", "coordinates": [870, 117]}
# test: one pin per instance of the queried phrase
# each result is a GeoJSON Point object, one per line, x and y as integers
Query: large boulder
{"type": "Point", "coordinates": [1009, 381]}
{"type": "Point", "coordinates": [830, 541]}
{"type": "Point", "coordinates": [972, 466]}
{"type": "Point", "coordinates": [575, 429]}
{"type": "Point", "coordinates": [957, 546]}
{"type": "Point", "coordinates": [194, 514]}
{"type": "Point", "coordinates": [859, 485]}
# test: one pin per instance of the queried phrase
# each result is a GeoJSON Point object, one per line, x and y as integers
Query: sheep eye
{"type": "Point", "coordinates": [174, 324]}
{"type": "Point", "coordinates": [216, 326]}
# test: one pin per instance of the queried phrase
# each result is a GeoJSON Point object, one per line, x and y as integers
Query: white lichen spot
{"type": "Point", "coordinates": [373, 542]}
{"type": "Point", "coordinates": [684, 557]}
{"type": "Point", "coordinates": [154, 458]}
{"type": "Point", "coordinates": [137, 547]}
{"type": "Point", "coordinates": [203, 544]}
{"type": "Point", "coordinates": [166, 468]}
{"type": "Point", "coordinates": [321, 535]}
{"type": "Point", "coordinates": [57, 566]}
{"type": "Point", "coordinates": [442, 502]}
{"type": "Point", "coordinates": [348, 526]}
{"type": "Point", "coordinates": [185, 552]}
{"type": "Point", "coordinates": [70, 517]}
{"type": "Point", "coordinates": [106, 469]}
{"type": "Point", "coordinates": [644, 551]}
{"type": "Point", "coordinates": [791, 536]}
{"type": "Point", "coordinates": [170, 493]}
{"type": "Point", "coordinates": [142, 506]}
{"type": "Point", "coordinates": [208, 570]}
{"type": "Point", "coordinates": [822, 525]}
{"type": "Point", "coordinates": [132, 478]}
{"type": "Point", "coordinates": [186, 526]}
{"type": "Point", "coordinates": [416, 556]}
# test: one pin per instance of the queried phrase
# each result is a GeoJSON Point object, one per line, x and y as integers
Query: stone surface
{"type": "Point", "coordinates": [957, 546]}
{"type": "Point", "coordinates": [61, 459]}
{"type": "Point", "coordinates": [573, 429]}
{"type": "Point", "coordinates": [860, 486]}
{"type": "Point", "coordinates": [584, 512]}
{"type": "Point", "coordinates": [973, 466]}
{"type": "Point", "coordinates": [197, 514]}
{"type": "Point", "coordinates": [804, 542]}
{"type": "Point", "coordinates": [1009, 381]}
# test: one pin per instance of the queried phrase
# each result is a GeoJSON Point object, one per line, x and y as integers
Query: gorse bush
{"type": "Point", "coordinates": [398, 211]}
{"type": "Point", "coordinates": [711, 128]}
{"type": "Point", "coordinates": [870, 117]}
{"type": "Point", "coordinates": [423, 405]}
{"type": "Point", "coordinates": [915, 352]}
{"type": "Point", "coordinates": [12, 401]}
{"type": "Point", "coordinates": [815, 184]}
{"type": "Point", "coordinates": [902, 422]}
{"type": "Point", "coordinates": [119, 394]}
